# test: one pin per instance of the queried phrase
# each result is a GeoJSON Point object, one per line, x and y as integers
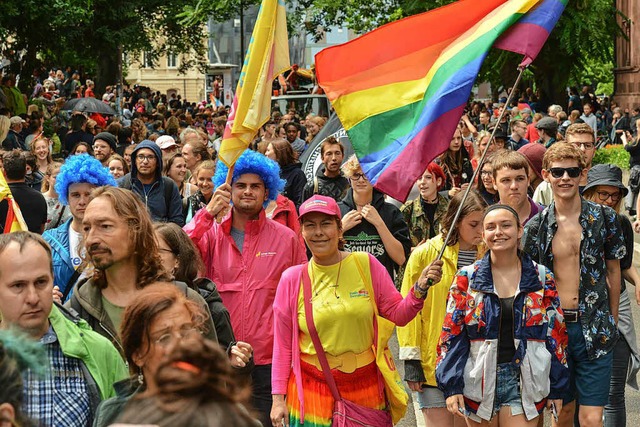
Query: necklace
{"type": "Point", "coordinates": [334, 286]}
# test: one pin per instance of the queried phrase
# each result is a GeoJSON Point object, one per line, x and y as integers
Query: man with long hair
{"type": "Point", "coordinates": [77, 178]}
{"type": "Point", "coordinates": [120, 244]}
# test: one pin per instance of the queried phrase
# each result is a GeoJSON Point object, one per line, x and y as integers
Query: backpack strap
{"type": "Point", "coordinates": [315, 185]}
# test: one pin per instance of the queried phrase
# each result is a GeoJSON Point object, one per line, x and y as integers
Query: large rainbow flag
{"type": "Point", "coordinates": [400, 90]}
{"type": "Point", "coordinates": [267, 56]}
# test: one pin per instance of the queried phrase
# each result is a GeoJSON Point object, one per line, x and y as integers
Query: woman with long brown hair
{"type": "Point", "coordinates": [419, 339]}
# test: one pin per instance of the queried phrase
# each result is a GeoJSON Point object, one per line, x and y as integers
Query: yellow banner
{"type": "Point", "coordinates": [266, 57]}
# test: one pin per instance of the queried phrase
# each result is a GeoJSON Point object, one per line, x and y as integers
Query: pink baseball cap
{"type": "Point", "coordinates": [322, 204]}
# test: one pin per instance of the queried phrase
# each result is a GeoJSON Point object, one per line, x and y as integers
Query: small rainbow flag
{"type": "Point", "coordinates": [400, 90]}
{"type": "Point", "coordinates": [14, 220]}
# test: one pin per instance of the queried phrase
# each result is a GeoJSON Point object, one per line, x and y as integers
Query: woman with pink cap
{"type": "Point", "coordinates": [341, 291]}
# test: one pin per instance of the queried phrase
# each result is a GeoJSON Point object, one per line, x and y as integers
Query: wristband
{"type": "Point", "coordinates": [419, 292]}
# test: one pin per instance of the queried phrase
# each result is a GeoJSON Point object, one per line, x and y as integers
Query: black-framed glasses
{"type": "Point", "coordinates": [603, 196]}
{"type": "Point", "coordinates": [358, 176]}
{"type": "Point", "coordinates": [585, 145]}
{"type": "Point", "coordinates": [486, 173]}
{"type": "Point", "coordinates": [573, 172]}
{"type": "Point", "coordinates": [149, 158]}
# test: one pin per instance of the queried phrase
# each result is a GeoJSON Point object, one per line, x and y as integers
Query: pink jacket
{"type": "Point", "coordinates": [247, 281]}
{"type": "Point", "coordinates": [286, 347]}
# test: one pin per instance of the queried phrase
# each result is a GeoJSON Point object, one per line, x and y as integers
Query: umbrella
{"type": "Point", "coordinates": [88, 105]}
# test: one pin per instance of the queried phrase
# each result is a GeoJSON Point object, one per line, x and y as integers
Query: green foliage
{"type": "Point", "coordinates": [614, 155]}
{"type": "Point", "coordinates": [87, 34]}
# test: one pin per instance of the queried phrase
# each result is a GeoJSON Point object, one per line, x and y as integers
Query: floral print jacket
{"type": "Point", "coordinates": [602, 240]}
{"type": "Point", "coordinates": [468, 347]}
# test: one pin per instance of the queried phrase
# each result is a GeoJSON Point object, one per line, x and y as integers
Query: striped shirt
{"type": "Point", "coordinates": [466, 258]}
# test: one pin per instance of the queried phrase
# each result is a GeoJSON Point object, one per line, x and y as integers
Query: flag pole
{"type": "Point", "coordinates": [521, 67]}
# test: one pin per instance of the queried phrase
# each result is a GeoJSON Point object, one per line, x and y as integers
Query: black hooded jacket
{"type": "Point", "coordinates": [162, 197]}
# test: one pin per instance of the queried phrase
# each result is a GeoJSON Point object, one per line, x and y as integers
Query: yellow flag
{"type": "Point", "coordinates": [14, 221]}
{"type": "Point", "coordinates": [266, 57]}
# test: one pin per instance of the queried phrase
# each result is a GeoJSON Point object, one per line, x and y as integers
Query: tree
{"type": "Point", "coordinates": [89, 33]}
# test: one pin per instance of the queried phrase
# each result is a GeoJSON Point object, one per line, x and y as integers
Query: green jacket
{"type": "Point", "coordinates": [418, 222]}
{"type": "Point", "coordinates": [86, 300]}
{"type": "Point", "coordinates": [99, 356]}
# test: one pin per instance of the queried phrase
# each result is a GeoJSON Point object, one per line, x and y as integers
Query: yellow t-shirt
{"type": "Point", "coordinates": [342, 312]}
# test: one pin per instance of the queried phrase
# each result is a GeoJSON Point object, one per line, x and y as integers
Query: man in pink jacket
{"type": "Point", "coordinates": [245, 255]}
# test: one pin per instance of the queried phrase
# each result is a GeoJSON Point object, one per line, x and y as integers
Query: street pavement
{"type": "Point", "coordinates": [414, 416]}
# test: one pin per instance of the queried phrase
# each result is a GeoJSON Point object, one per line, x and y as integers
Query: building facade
{"type": "Point", "coordinates": [627, 71]}
{"type": "Point", "coordinates": [162, 75]}
{"type": "Point", "coordinates": [225, 57]}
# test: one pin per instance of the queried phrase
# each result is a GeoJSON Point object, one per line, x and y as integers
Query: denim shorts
{"type": "Point", "coordinates": [431, 397]}
{"type": "Point", "coordinates": [507, 391]}
{"type": "Point", "coordinates": [589, 379]}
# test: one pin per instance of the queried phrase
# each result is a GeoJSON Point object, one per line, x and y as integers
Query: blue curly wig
{"type": "Point", "coordinates": [81, 168]}
{"type": "Point", "coordinates": [253, 162]}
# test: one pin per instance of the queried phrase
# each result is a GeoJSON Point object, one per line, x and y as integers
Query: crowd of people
{"type": "Point", "coordinates": [160, 293]}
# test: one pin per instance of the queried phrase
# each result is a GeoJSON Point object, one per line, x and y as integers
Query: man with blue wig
{"type": "Point", "coordinates": [245, 255]}
{"type": "Point", "coordinates": [78, 176]}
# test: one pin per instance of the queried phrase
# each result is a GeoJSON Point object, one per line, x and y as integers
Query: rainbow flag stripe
{"type": "Point", "coordinates": [528, 35]}
{"type": "Point", "coordinates": [400, 90]}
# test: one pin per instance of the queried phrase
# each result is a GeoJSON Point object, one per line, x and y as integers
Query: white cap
{"type": "Point", "coordinates": [165, 141]}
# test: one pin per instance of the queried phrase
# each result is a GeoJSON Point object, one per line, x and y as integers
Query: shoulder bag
{"type": "Point", "coordinates": [345, 412]}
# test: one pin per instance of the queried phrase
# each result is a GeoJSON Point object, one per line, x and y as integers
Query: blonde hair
{"type": "Point", "coordinates": [590, 194]}
{"type": "Point", "coordinates": [351, 166]}
{"type": "Point", "coordinates": [51, 169]}
{"type": "Point", "coordinates": [47, 142]}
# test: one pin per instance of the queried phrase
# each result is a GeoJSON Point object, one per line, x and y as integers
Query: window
{"type": "Point", "coordinates": [148, 60]}
{"type": "Point", "coordinates": [172, 60]}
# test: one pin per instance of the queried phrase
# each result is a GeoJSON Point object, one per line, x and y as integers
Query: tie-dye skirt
{"type": "Point", "coordinates": [360, 386]}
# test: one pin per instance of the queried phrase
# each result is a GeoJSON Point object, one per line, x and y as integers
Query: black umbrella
{"type": "Point", "coordinates": [88, 105]}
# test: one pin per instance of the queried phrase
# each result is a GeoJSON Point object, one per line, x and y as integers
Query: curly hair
{"type": "Point", "coordinates": [81, 168]}
{"type": "Point", "coordinates": [130, 209]}
{"type": "Point", "coordinates": [253, 162]}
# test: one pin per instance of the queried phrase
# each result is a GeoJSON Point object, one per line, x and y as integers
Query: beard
{"type": "Point", "coordinates": [101, 260]}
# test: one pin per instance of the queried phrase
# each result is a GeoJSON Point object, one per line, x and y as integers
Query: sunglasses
{"type": "Point", "coordinates": [559, 172]}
